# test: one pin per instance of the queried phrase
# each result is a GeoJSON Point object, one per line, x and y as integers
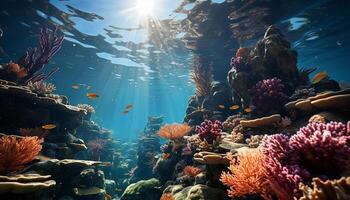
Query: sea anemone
{"type": "Point", "coordinates": [174, 131]}
{"type": "Point", "coordinates": [209, 130]}
{"type": "Point", "coordinates": [268, 95]}
{"type": "Point", "coordinates": [201, 77]}
{"type": "Point", "coordinates": [246, 175]}
{"type": "Point", "coordinates": [42, 88]}
{"type": "Point", "coordinates": [16, 152]}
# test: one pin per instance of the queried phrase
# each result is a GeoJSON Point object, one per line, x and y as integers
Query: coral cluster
{"type": "Point", "coordinates": [191, 171]}
{"type": "Point", "coordinates": [16, 152]}
{"type": "Point", "coordinates": [42, 88]}
{"type": "Point", "coordinates": [318, 149]}
{"type": "Point", "coordinates": [174, 131]}
{"type": "Point", "coordinates": [268, 95]}
{"type": "Point", "coordinates": [87, 107]}
{"type": "Point", "coordinates": [302, 93]}
{"type": "Point", "coordinates": [209, 130]}
{"type": "Point", "coordinates": [246, 175]}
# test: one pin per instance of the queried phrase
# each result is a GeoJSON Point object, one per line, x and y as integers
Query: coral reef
{"type": "Point", "coordinates": [209, 131]}
{"type": "Point", "coordinates": [174, 131]}
{"type": "Point", "coordinates": [15, 152]}
{"type": "Point", "coordinates": [41, 88]}
{"type": "Point", "coordinates": [246, 175]}
{"type": "Point", "coordinates": [268, 96]}
{"type": "Point", "coordinates": [326, 190]}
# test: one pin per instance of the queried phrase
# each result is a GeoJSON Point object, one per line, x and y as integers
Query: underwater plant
{"type": "Point", "coordinates": [246, 175]}
{"type": "Point", "coordinates": [268, 95]}
{"type": "Point", "coordinates": [42, 88]}
{"type": "Point", "coordinates": [316, 150]}
{"type": "Point", "coordinates": [95, 147]}
{"type": "Point", "coordinates": [201, 76]}
{"type": "Point", "coordinates": [34, 64]}
{"type": "Point", "coordinates": [174, 131]}
{"type": "Point", "coordinates": [16, 152]}
{"type": "Point", "coordinates": [209, 130]}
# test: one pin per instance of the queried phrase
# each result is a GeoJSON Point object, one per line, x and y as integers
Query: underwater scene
{"type": "Point", "coordinates": [174, 100]}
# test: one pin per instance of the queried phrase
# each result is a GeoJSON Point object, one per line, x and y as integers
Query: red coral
{"type": "Point", "coordinates": [16, 152]}
{"type": "Point", "coordinates": [191, 171]}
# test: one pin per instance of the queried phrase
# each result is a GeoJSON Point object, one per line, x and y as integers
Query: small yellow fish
{"type": "Point", "coordinates": [234, 107]}
{"type": "Point", "coordinates": [319, 77]}
{"type": "Point", "coordinates": [48, 126]}
{"type": "Point", "coordinates": [221, 106]}
{"type": "Point", "coordinates": [76, 86]}
{"type": "Point", "coordinates": [129, 106]}
{"type": "Point", "coordinates": [92, 95]}
{"type": "Point", "coordinates": [248, 110]}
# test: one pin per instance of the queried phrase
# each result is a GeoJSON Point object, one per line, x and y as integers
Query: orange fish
{"type": "Point", "coordinates": [166, 156]}
{"type": "Point", "coordinates": [48, 126]}
{"type": "Point", "coordinates": [319, 77]}
{"type": "Point", "coordinates": [129, 106]}
{"type": "Point", "coordinates": [248, 110]}
{"type": "Point", "coordinates": [92, 95]}
{"type": "Point", "coordinates": [221, 106]}
{"type": "Point", "coordinates": [234, 107]}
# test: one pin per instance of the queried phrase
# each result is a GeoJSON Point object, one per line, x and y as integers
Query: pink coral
{"type": "Point", "coordinates": [318, 149]}
{"type": "Point", "coordinates": [209, 130]}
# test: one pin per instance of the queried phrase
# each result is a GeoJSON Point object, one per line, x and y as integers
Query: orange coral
{"type": "Point", "coordinates": [192, 171]}
{"type": "Point", "coordinates": [16, 69]}
{"type": "Point", "coordinates": [174, 131]}
{"type": "Point", "coordinates": [167, 196]}
{"type": "Point", "coordinates": [247, 175]}
{"type": "Point", "coordinates": [16, 152]}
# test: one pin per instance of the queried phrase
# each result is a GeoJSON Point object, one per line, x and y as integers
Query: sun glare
{"type": "Point", "coordinates": [145, 7]}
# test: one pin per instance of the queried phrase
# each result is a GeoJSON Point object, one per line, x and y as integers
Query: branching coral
{"type": "Point", "coordinates": [254, 141]}
{"type": "Point", "coordinates": [318, 149]}
{"type": "Point", "coordinates": [95, 147]}
{"type": "Point", "coordinates": [174, 131]}
{"type": "Point", "coordinates": [191, 171]}
{"type": "Point", "coordinates": [209, 130]}
{"type": "Point", "coordinates": [16, 152]}
{"type": "Point", "coordinates": [327, 190]}
{"type": "Point", "coordinates": [87, 107]}
{"type": "Point", "coordinates": [268, 95]}
{"type": "Point", "coordinates": [34, 64]}
{"type": "Point", "coordinates": [246, 175]}
{"type": "Point", "coordinates": [201, 77]}
{"type": "Point", "coordinates": [42, 88]}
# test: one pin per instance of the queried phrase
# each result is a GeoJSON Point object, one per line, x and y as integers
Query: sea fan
{"type": "Point", "coordinates": [174, 131]}
{"type": "Point", "coordinates": [246, 175]}
{"type": "Point", "coordinates": [16, 152]}
{"type": "Point", "coordinates": [202, 77]}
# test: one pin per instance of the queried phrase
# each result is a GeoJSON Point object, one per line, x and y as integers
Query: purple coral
{"type": "Point", "coordinates": [268, 95]}
{"type": "Point", "coordinates": [209, 130]}
{"type": "Point", "coordinates": [318, 149]}
{"type": "Point", "coordinates": [34, 64]}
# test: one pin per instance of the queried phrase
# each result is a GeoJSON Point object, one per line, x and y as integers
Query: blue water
{"type": "Point", "coordinates": [111, 48]}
